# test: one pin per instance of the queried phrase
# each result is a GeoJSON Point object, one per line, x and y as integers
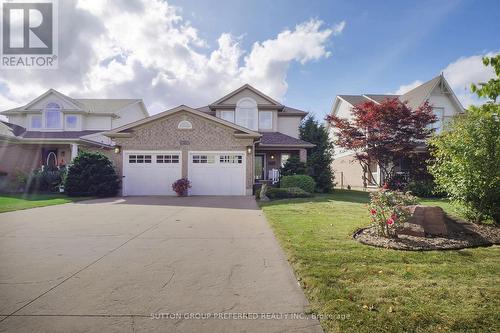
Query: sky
{"type": "Point", "coordinates": [302, 53]}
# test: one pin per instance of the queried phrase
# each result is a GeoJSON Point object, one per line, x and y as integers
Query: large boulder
{"type": "Point", "coordinates": [425, 220]}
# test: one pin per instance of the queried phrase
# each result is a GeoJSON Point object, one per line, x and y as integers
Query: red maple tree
{"type": "Point", "coordinates": [383, 133]}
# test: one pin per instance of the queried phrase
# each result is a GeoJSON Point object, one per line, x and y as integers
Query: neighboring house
{"type": "Point", "coordinates": [225, 148]}
{"type": "Point", "coordinates": [446, 105]}
{"type": "Point", "coordinates": [51, 129]}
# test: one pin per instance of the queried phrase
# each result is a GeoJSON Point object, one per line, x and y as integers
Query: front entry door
{"type": "Point", "coordinates": [259, 167]}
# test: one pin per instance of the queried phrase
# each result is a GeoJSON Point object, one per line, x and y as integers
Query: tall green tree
{"type": "Point", "coordinates": [467, 156]}
{"type": "Point", "coordinates": [319, 158]}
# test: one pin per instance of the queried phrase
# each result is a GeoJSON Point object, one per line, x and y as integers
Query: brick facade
{"type": "Point", "coordinates": [205, 135]}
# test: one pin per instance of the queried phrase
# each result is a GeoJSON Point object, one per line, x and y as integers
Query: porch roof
{"type": "Point", "coordinates": [56, 135]}
{"type": "Point", "coordinates": [277, 139]}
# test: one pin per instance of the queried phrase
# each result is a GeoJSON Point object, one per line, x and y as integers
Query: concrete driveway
{"type": "Point", "coordinates": [113, 265]}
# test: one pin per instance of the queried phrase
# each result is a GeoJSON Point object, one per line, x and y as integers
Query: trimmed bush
{"type": "Point", "coordinates": [287, 193]}
{"type": "Point", "coordinates": [46, 180]}
{"type": "Point", "coordinates": [302, 181]}
{"type": "Point", "coordinates": [91, 174]}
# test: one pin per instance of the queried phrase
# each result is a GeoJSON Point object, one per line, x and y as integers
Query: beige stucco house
{"type": "Point", "coordinates": [348, 171]}
{"type": "Point", "coordinates": [50, 130]}
{"type": "Point", "coordinates": [224, 148]}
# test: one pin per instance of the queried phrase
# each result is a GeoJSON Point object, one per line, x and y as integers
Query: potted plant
{"type": "Point", "coordinates": [181, 186]}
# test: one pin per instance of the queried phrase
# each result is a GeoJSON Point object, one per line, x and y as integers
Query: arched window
{"type": "Point", "coordinates": [247, 113]}
{"type": "Point", "coordinates": [184, 124]}
{"type": "Point", "coordinates": [53, 116]}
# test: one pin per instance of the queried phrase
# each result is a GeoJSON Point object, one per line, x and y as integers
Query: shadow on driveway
{"type": "Point", "coordinates": [232, 202]}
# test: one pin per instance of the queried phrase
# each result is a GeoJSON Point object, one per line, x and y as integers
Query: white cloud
{"type": "Point", "coordinates": [338, 28]}
{"type": "Point", "coordinates": [145, 49]}
{"type": "Point", "coordinates": [466, 70]}
{"type": "Point", "coordinates": [460, 74]}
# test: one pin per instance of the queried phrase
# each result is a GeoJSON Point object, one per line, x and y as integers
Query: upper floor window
{"type": "Point", "coordinates": [438, 125]}
{"type": "Point", "coordinates": [36, 121]}
{"type": "Point", "coordinates": [247, 113]}
{"type": "Point", "coordinates": [71, 121]}
{"type": "Point", "coordinates": [265, 120]}
{"type": "Point", "coordinates": [53, 116]}
{"type": "Point", "coordinates": [227, 115]}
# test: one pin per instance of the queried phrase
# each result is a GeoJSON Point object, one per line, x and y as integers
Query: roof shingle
{"type": "Point", "coordinates": [56, 135]}
{"type": "Point", "coordinates": [277, 138]}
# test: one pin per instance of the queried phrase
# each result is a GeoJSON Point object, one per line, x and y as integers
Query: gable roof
{"type": "Point", "coordinates": [418, 95]}
{"type": "Point", "coordinates": [243, 87]}
{"type": "Point", "coordinates": [379, 98]}
{"type": "Point", "coordinates": [52, 92]}
{"type": "Point", "coordinates": [106, 105]}
{"type": "Point", "coordinates": [122, 130]}
{"type": "Point", "coordinates": [95, 106]}
{"type": "Point", "coordinates": [414, 97]}
{"type": "Point", "coordinates": [354, 99]}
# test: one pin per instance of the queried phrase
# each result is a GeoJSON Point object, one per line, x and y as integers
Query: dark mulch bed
{"type": "Point", "coordinates": [461, 235]}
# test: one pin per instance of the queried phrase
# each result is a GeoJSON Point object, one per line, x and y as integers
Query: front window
{"type": "Point", "coordinates": [71, 121]}
{"type": "Point", "coordinates": [266, 120]}
{"type": "Point", "coordinates": [247, 113]}
{"type": "Point", "coordinates": [36, 121]}
{"type": "Point", "coordinates": [53, 116]}
{"type": "Point", "coordinates": [227, 115]}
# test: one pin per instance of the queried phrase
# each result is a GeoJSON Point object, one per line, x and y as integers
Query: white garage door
{"type": "Point", "coordinates": [217, 173]}
{"type": "Point", "coordinates": [150, 172]}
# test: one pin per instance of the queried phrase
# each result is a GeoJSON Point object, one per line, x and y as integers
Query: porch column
{"type": "Point", "coordinates": [303, 155]}
{"type": "Point", "coordinates": [74, 150]}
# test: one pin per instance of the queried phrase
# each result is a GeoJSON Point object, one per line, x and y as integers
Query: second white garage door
{"type": "Point", "coordinates": [217, 173]}
{"type": "Point", "coordinates": [150, 172]}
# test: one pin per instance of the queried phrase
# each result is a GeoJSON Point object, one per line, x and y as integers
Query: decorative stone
{"type": "Point", "coordinates": [411, 229]}
{"type": "Point", "coordinates": [431, 219]}
{"type": "Point", "coordinates": [263, 191]}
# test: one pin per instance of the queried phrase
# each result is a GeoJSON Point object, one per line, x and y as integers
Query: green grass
{"type": "Point", "coordinates": [10, 203]}
{"type": "Point", "coordinates": [382, 290]}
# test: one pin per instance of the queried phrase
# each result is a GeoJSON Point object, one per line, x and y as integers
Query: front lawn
{"type": "Point", "coordinates": [381, 290]}
{"type": "Point", "coordinates": [16, 202]}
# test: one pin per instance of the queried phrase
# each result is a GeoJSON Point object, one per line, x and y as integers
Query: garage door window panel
{"type": "Point", "coordinates": [203, 159]}
{"type": "Point", "coordinates": [167, 159]}
{"type": "Point", "coordinates": [139, 159]}
{"type": "Point", "coordinates": [231, 159]}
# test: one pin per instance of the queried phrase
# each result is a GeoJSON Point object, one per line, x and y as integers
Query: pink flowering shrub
{"type": "Point", "coordinates": [388, 212]}
{"type": "Point", "coordinates": [181, 187]}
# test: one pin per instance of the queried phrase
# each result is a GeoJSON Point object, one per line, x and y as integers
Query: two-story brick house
{"type": "Point", "coordinates": [224, 148]}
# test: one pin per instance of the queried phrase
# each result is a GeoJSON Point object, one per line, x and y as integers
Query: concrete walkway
{"type": "Point", "coordinates": [112, 265]}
